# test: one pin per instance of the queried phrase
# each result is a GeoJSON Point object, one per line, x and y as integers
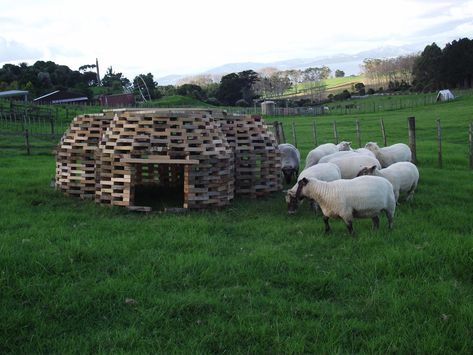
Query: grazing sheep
{"type": "Point", "coordinates": [290, 161]}
{"type": "Point", "coordinates": [324, 149]}
{"type": "Point", "coordinates": [390, 154]}
{"type": "Point", "coordinates": [404, 177]}
{"type": "Point", "coordinates": [365, 152]}
{"type": "Point", "coordinates": [362, 197]}
{"type": "Point", "coordinates": [351, 164]}
{"type": "Point", "coordinates": [321, 171]}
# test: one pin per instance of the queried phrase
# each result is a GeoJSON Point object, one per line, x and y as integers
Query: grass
{"type": "Point", "coordinates": [177, 101]}
{"type": "Point", "coordinates": [80, 277]}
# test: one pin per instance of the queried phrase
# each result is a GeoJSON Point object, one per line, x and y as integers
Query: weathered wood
{"type": "Point", "coordinates": [294, 138]}
{"type": "Point", "coordinates": [159, 160]}
{"type": "Point", "coordinates": [27, 141]}
{"type": "Point", "coordinates": [210, 154]}
{"type": "Point", "coordinates": [439, 143]}
{"type": "Point", "coordinates": [358, 133]}
{"type": "Point", "coordinates": [139, 208]}
{"type": "Point", "coordinates": [314, 132]}
{"type": "Point", "coordinates": [335, 132]}
{"type": "Point", "coordinates": [383, 132]}
{"type": "Point", "coordinates": [470, 144]}
{"type": "Point", "coordinates": [411, 125]}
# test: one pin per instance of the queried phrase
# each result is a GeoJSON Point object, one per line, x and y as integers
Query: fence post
{"type": "Point", "coordinates": [383, 132]}
{"type": "Point", "coordinates": [277, 132]}
{"type": "Point", "coordinates": [470, 144]}
{"type": "Point", "coordinates": [358, 133]}
{"type": "Point", "coordinates": [281, 130]}
{"type": "Point", "coordinates": [27, 141]}
{"type": "Point", "coordinates": [335, 133]}
{"type": "Point", "coordinates": [294, 139]}
{"type": "Point", "coordinates": [439, 142]}
{"type": "Point", "coordinates": [314, 130]}
{"type": "Point", "coordinates": [411, 124]}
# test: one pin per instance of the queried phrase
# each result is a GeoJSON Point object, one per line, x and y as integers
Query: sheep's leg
{"type": "Point", "coordinates": [410, 193]}
{"type": "Point", "coordinates": [327, 225]}
{"type": "Point", "coordinates": [349, 227]}
{"type": "Point", "coordinates": [314, 206]}
{"type": "Point", "coordinates": [375, 220]}
{"type": "Point", "coordinates": [390, 216]}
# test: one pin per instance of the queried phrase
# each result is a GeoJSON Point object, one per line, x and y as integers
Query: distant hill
{"type": "Point", "coordinates": [349, 63]}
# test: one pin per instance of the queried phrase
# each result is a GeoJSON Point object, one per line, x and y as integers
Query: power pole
{"type": "Point", "coordinates": [98, 73]}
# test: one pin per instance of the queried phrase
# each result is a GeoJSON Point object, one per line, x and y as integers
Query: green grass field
{"type": "Point", "coordinates": [76, 277]}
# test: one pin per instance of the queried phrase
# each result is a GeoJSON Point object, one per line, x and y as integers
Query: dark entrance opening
{"type": "Point", "coordinates": [159, 186]}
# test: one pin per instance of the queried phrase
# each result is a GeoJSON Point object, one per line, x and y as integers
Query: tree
{"type": "Point", "coordinates": [192, 90]}
{"type": "Point", "coordinates": [339, 73]}
{"type": "Point", "coordinates": [150, 84]}
{"type": "Point", "coordinates": [236, 86]}
{"type": "Point", "coordinates": [115, 81]}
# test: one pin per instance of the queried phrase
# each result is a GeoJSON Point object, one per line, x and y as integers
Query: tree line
{"type": "Point", "coordinates": [432, 69]}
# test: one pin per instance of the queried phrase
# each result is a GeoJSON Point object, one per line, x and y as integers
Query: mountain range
{"type": "Point", "coordinates": [349, 63]}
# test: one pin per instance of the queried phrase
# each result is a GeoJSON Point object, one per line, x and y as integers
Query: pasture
{"type": "Point", "coordinates": [78, 277]}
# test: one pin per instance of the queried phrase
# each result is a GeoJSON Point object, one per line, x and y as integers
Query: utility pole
{"type": "Point", "coordinates": [98, 73]}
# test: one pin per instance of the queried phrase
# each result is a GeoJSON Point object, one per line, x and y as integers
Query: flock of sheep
{"type": "Point", "coordinates": [350, 183]}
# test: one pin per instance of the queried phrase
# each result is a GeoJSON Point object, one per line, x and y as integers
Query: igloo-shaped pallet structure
{"type": "Point", "coordinates": [209, 155]}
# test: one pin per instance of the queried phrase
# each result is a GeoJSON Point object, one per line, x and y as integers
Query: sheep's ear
{"type": "Point", "coordinates": [303, 182]}
{"type": "Point", "coordinates": [361, 172]}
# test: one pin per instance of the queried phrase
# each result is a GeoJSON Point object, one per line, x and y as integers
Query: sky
{"type": "Point", "coordinates": [190, 37]}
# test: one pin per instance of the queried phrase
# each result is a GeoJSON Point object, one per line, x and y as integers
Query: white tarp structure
{"type": "Point", "coordinates": [445, 95]}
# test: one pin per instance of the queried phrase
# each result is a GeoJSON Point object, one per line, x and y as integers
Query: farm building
{"type": "Point", "coordinates": [117, 100]}
{"type": "Point", "coordinates": [206, 157]}
{"type": "Point", "coordinates": [61, 97]}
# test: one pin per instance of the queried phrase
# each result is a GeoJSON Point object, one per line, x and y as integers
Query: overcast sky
{"type": "Point", "coordinates": [185, 36]}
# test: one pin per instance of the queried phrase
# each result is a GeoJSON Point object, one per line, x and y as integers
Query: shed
{"type": "Point", "coordinates": [14, 93]}
{"type": "Point", "coordinates": [61, 97]}
{"type": "Point", "coordinates": [117, 100]}
{"type": "Point", "coordinates": [205, 156]}
{"type": "Point", "coordinates": [268, 107]}
{"type": "Point", "coordinates": [445, 95]}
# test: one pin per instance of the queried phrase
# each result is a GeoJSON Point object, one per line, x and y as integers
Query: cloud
{"type": "Point", "coordinates": [14, 51]}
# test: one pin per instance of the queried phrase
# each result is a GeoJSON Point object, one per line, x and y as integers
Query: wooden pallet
{"type": "Point", "coordinates": [211, 154]}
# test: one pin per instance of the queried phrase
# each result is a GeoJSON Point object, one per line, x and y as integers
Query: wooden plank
{"type": "Point", "coordinates": [159, 160]}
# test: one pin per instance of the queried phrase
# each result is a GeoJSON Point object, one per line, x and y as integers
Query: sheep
{"type": "Point", "coordinates": [345, 153]}
{"type": "Point", "coordinates": [361, 197]}
{"type": "Point", "coordinates": [323, 171]}
{"type": "Point", "coordinates": [324, 149]}
{"type": "Point", "coordinates": [404, 177]}
{"type": "Point", "coordinates": [290, 161]}
{"type": "Point", "coordinates": [365, 152]}
{"type": "Point", "coordinates": [351, 164]}
{"type": "Point", "coordinates": [390, 154]}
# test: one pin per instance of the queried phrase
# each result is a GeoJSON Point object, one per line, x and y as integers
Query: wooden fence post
{"type": "Point", "coordinates": [383, 132]}
{"type": "Point", "coordinates": [335, 133]}
{"type": "Point", "coordinates": [281, 130]}
{"type": "Point", "coordinates": [294, 139]}
{"type": "Point", "coordinates": [358, 133]}
{"type": "Point", "coordinates": [277, 131]}
{"type": "Point", "coordinates": [439, 143]}
{"type": "Point", "coordinates": [470, 144]}
{"type": "Point", "coordinates": [411, 125]}
{"type": "Point", "coordinates": [27, 141]}
{"type": "Point", "coordinates": [314, 131]}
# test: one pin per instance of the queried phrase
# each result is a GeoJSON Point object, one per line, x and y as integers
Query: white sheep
{"type": "Point", "coordinates": [362, 197]}
{"type": "Point", "coordinates": [345, 153]}
{"type": "Point", "coordinates": [324, 149]}
{"type": "Point", "coordinates": [351, 164]}
{"type": "Point", "coordinates": [390, 154]}
{"type": "Point", "coordinates": [404, 176]}
{"type": "Point", "coordinates": [322, 171]}
{"type": "Point", "coordinates": [290, 161]}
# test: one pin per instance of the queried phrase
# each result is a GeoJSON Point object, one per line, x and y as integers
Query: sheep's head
{"type": "Point", "coordinates": [367, 170]}
{"type": "Point", "coordinates": [372, 146]}
{"type": "Point", "coordinates": [288, 172]}
{"type": "Point", "coordinates": [344, 146]}
{"type": "Point", "coordinates": [294, 199]}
